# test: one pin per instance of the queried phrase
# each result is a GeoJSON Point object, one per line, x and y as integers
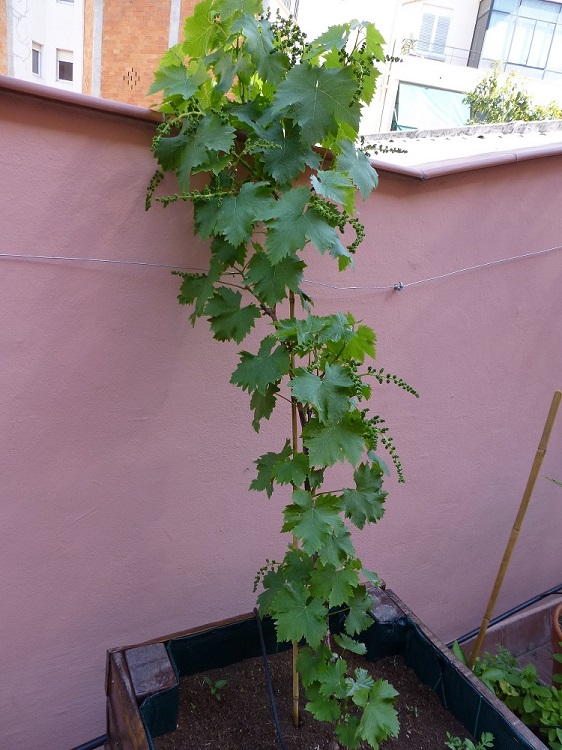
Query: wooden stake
{"type": "Point", "coordinates": [295, 444]}
{"type": "Point", "coordinates": [539, 456]}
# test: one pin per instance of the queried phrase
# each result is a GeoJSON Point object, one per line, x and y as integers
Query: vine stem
{"type": "Point", "coordinates": [295, 443]}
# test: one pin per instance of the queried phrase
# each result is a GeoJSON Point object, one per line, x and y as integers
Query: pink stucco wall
{"type": "Point", "coordinates": [125, 456]}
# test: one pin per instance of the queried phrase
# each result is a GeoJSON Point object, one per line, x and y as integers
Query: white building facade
{"type": "Point", "coordinates": [446, 46]}
{"type": "Point", "coordinates": [45, 41]}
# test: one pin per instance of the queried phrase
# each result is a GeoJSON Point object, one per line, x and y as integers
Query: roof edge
{"type": "Point", "coordinates": [468, 163]}
{"type": "Point", "coordinates": [82, 101]}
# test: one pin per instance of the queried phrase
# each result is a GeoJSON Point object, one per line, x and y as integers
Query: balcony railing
{"type": "Point", "coordinates": [292, 6]}
{"type": "Point", "coordinates": [446, 54]}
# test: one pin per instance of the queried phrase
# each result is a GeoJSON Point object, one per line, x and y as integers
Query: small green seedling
{"type": "Point", "coordinates": [215, 688]}
{"type": "Point", "coordinates": [413, 710]}
{"type": "Point", "coordinates": [455, 743]}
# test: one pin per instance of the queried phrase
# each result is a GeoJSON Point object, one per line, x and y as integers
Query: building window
{"type": "Point", "coordinates": [433, 35]}
{"type": "Point", "coordinates": [36, 59]}
{"type": "Point", "coordinates": [421, 107]}
{"type": "Point", "coordinates": [65, 65]}
{"type": "Point", "coordinates": [524, 34]}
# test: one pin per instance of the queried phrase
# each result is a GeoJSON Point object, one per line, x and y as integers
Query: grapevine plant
{"type": "Point", "coordinates": [260, 130]}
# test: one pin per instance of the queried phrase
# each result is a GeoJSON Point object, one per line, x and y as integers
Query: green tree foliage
{"type": "Point", "coordinates": [504, 99]}
{"type": "Point", "coordinates": [260, 131]}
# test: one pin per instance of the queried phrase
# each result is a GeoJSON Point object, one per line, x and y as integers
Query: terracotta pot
{"type": "Point", "coordinates": [556, 638]}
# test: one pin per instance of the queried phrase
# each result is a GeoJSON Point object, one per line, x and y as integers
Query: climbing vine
{"type": "Point", "coordinates": [260, 131]}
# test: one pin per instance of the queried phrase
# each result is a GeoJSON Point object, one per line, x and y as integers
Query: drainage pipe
{"type": "Point", "coordinates": [513, 611]}
{"type": "Point", "coordinates": [268, 680]}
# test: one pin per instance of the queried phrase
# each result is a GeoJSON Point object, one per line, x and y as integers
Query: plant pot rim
{"type": "Point", "coordinates": [125, 722]}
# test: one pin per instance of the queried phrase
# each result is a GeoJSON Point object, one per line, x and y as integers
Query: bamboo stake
{"type": "Point", "coordinates": [539, 456]}
{"type": "Point", "coordinates": [295, 443]}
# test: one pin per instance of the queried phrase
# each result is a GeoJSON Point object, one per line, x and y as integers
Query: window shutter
{"type": "Point", "coordinates": [440, 41]}
{"type": "Point", "coordinates": [65, 56]}
{"type": "Point", "coordinates": [426, 32]}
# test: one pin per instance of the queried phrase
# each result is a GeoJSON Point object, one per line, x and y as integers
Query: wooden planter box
{"type": "Point", "coordinates": [142, 681]}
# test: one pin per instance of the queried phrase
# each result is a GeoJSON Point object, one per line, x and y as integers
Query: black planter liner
{"type": "Point", "coordinates": [395, 630]}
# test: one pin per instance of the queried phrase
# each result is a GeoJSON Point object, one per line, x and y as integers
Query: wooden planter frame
{"type": "Point", "coordinates": [136, 672]}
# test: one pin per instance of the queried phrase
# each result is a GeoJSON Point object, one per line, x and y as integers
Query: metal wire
{"type": "Point", "coordinates": [399, 286]}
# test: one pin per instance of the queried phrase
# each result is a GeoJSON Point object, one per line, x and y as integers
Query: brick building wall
{"type": "Point", "coordinates": [88, 46]}
{"type": "Point", "coordinates": [134, 38]}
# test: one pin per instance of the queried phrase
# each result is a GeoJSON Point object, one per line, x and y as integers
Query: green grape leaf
{"type": "Point", "coordinates": [229, 7]}
{"type": "Point", "coordinates": [374, 40]}
{"type": "Point", "coordinates": [251, 117]}
{"type": "Point", "coordinates": [336, 187]}
{"type": "Point", "coordinates": [269, 63]}
{"type": "Point", "coordinates": [179, 80]}
{"type": "Point", "coordinates": [168, 151]}
{"type": "Point", "coordinates": [358, 618]}
{"type": "Point", "coordinates": [337, 548]}
{"type": "Point", "coordinates": [271, 281]}
{"type": "Point", "coordinates": [319, 99]}
{"type": "Point", "coordinates": [200, 147]}
{"type": "Point", "coordinates": [305, 332]}
{"type": "Point", "coordinates": [358, 344]}
{"type": "Point", "coordinates": [287, 157]}
{"type": "Point", "coordinates": [240, 212]}
{"type": "Point", "coordinates": [338, 328]}
{"type": "Point", "coordinates": [298, 566]}
{"type": "Point", "coordinates": [332, 682]}
{"type": "Point", "coordinates": [228, 319]}
{"type": "Point", "coordinates": [333, 443]}
{"type": "Point", "coordinates": [376, 459]}
{"type": "Point", "coordinates": [205, 215]}
{"type": "Point", "coordinates": [379, 720]}
{"type": "Point", "coordinates": [202, 30]}
{"type": "Point", "coordinates": [273, 582]}
{"type": "Point", "coordinates": [199, 287]}
{"type": "Point", "coordinates": [330, 395]}
{"type": "Point", "coordinates": [369, 84]}
{"type": "Point", "coordinates": [361, 682]}
{"type": "Point", "coordinates": [266, 464]}
{"type": "Point", "coordinates": [298, 616]}
{"type": "Point", "coordinates": [256, 372]}
{"type": "Point", "coordinates": [332, 585]}
{"type": "Point", "coordinates": [365, 504]}
{"type": "Point", "coordinates": [323, 709]}
{"type": "Point", "coordinates": [311, 664]}
{"type": "Point", "coordinates": [348, 733]}
{"type": "Point", "coordinates": [350, 644]}
{"type": "Point", "coordinates": [174, 56]}
{"type": "Point", "coordinates": [333, 38]}
{"type": "Point", "coordinates": [263, 404]}
{"type": "Point", "coordinates": [225, 70]}
{"type": "Point", "coordinates": [356, 164]}
{"type": "Point", "coordinates": [312, 521]}
{"type": "Point", "coordinates": [292, 470]}
{"type": "Point", "coordinates": [292, 229]}
{"type": "Point", "coordinates": [226, 253]}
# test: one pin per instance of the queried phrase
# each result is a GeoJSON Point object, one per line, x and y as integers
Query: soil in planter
{"type": "Point", "coordinates": [242, 719]}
